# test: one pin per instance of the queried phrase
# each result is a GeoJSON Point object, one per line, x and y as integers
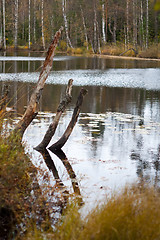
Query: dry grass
{"type": "Point", "coordinates": [152, 52]}
{"type": "Point", "coordinates": [133, 214]}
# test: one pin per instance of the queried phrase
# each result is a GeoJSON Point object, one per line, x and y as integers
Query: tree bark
{"type": "Point", "coordinates": [147, 21]}
{"type": "Point", "coordinates": [42, 21]}
{"type": "Point", "coordinates": [29, 24]}
{"type": "Point", "coordinates": [103, 24]}
{"type": "Point", "coordinates": [16, 25]}
{"type": "Point", "coordinates": [1, 25]}
{"type": "Point", "coordinates": [127, 16]}
{"type": "Point", "coordinates": [34, 22]}
{"type": "Point", "coordinates": [69, 44]}
{"type": "Point", "coordinates": [4, 25]}
{"type": "Point", "coordinates": [60, 143]}
{"type": "Point", "coordinates": [106, 18]}
{"type": "Point", "coordinates": [84, 25]}
{"type": "Point", "coordinates": [31, 110]}
{"type": "Point", "coordinates": [52, 128]}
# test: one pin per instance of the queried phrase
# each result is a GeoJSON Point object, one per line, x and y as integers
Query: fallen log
{"type": "Point", "coordinates": [60, 143]}
{"type": "Point", "coordinates": [52, 128]}
{"type": "Point", "coordinates": [135, 51]}
{"type": "Point", "coordinates": [31, 110]}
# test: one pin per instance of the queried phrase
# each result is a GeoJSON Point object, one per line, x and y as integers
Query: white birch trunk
{"type": "Point", "coordinates": [142, 24]}
{"type": "Point", "coordinates": [84, 26]}
{"type": "Point", "coordinates": [147, 20]}
{"type": "Point", "coordinates": [42, 21]}
{"type": "Point", "coordinates": [69, 44]}
{"type": "Point", "coordinates": [103, 23]}
{"type": "Point", "coordinates": [4, 25]}
{"type": "Point", "coordinates": [127, 13]}
{"type": "Point", "coordinates": [29, 25]}
{"type": "Point", "coordinates": [95, 30]}
{"type": "Point", "coordinates": [16, 24]}
{"type": "Point", "coordinates": [0, 26]}
{"type": "Point", "coordinates": [34, 22]}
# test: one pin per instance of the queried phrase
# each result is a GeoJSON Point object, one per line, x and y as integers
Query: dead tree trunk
{"type": "Point", "coordinates": [61, 108]}
{"type": "Point", "coordinates": [31, 110]}
{"type": "Point", "coordinates": [60, 143]}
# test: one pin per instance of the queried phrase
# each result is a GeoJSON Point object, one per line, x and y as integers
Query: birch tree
{"type": "Point", "coordinates": [147, 20]}
{"type": "Point", "coordinates": [0, 26]}
{"type": "Point", "coordinates": [127, 16]}
{"type": "Point", "coordinates": [29, 24]}
{"type": "Point", "coordinates": [42, 22]}
{"type": "Point", "coordinates": [34, 22]}
{"type": "Point", "coordinates": [4, 25]}
{"type": "Point", "coordinates": [103, 23]}
{"type": "Point", "coordinates": [69, 44]}
{"type": "Point", "coordinates": [84, 26]}
{"type": "Point", "coordinates": [16, 24]}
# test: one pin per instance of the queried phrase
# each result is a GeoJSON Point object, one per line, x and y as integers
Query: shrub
{"type": "Point", "coordinates": [152, 52]}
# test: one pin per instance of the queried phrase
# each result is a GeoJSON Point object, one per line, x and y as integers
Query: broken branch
{"type": "Point", "coordinates": [60, 143]}
{"type": "Point", "coordinates": [52, 128]}
{"type": "Point", "coordinates": [31, 110]}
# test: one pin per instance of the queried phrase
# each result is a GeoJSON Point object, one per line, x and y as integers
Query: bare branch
{"type": "Point", "coordinates": [52, 128]}
{"type": "Point", "coordinates": [60, 143]}
{"type": "Point", "coordinates": [31, 110]}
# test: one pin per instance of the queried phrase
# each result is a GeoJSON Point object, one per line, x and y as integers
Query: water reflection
{"type": "Point", "coordinates": [116, 139]}
{"type": "Point", "coordinates": [51, 166]}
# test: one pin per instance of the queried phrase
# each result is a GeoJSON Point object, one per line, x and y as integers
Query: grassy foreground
{"type": "Point", "coordinates": [132, 214]}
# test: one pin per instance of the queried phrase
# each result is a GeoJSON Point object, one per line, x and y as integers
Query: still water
{"type": "Point", "coordinates": [116, 140]}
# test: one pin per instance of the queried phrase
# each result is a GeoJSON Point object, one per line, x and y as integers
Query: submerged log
{"type": "Point", "coordinates": [31, 110]}
{"type": "Point", "coordinates": [61, 108]}
{"type": "Point", "coordinates": [60, 143]}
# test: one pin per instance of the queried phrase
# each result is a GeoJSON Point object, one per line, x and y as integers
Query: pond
{"type": "Point", "coordinates": [116, 140]}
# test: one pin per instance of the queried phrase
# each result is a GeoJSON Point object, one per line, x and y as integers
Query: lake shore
{"type": "Point", "coordinates": [126, 58]}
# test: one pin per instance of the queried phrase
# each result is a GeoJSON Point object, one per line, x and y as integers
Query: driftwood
{"type": "Point", "coordinates": [52, 128]}
{"type": "Point", "coordinates": [60, 143]}
{"type": "Point", "coordinates": [135, 51]}
{"type": "Point", "coordinates": [31, 110]}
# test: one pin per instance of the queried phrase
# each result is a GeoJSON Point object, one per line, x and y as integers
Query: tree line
{"type": "Point", "coordinates": [88, 23]}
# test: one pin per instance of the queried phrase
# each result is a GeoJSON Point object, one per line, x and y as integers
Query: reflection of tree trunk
{"type": "Point", "coordinates": [60, 143]}
{"type": "Point", "coordinates": [52, 128]}
{"type": "Point", "coordinates": [69, 169]}
{"type": "Point", "coordinates": [31, 110]}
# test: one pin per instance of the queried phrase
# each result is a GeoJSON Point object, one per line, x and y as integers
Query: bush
{"type": "Point", "coordinates": [152, 52]}
{"type": "Point", "coordinates": [21, 202]}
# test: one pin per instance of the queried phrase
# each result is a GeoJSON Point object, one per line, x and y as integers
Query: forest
{"type": "Point", "coordinates": [89, 24]}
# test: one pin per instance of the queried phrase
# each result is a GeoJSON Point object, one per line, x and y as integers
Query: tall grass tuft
{"type": "Point", "coordinates": [132, 215]}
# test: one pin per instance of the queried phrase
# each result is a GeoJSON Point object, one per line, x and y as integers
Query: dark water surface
{"type": "Point", "coordinates": [117, 138]}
